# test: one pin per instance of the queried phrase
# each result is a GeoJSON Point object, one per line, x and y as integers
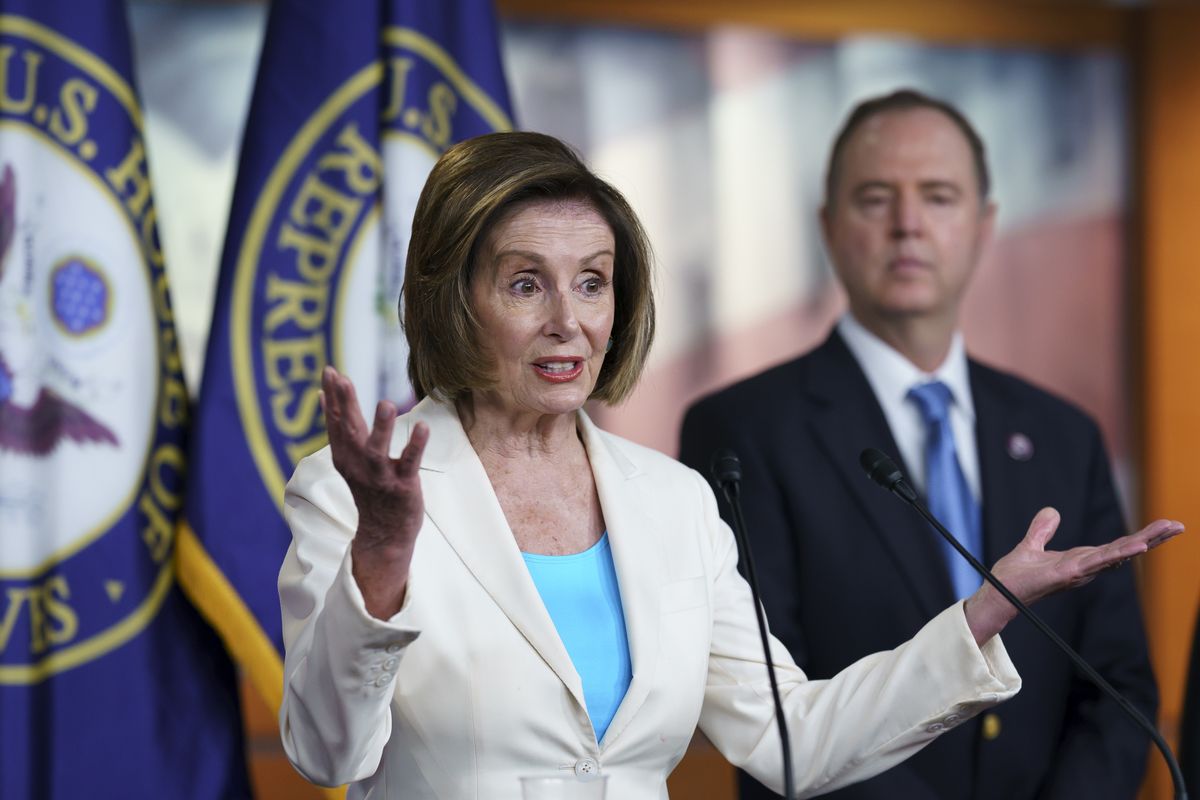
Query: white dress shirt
{"type": "Point", "coordinates": [891, 375]}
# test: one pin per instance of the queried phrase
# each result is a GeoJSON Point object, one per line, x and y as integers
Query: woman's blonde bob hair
{"type": "Point", "coordinates": [472, 187]}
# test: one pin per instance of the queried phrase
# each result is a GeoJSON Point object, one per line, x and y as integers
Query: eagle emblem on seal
{"type": "Point", "coordinates": [37, 429]}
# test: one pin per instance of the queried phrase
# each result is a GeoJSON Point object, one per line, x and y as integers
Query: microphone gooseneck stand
{"type": "Point", "coordinates": [727, 471]}
{"type": "Point", "coordinates": [883, 471]}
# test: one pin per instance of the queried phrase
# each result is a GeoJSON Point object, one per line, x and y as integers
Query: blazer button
{"type": "Point", "coordinates": [991, 726]}
{"type": "Point", "coordinates": [587, 769]}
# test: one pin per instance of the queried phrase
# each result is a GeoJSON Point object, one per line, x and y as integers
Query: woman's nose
{"type": "Point", "coordinates": [561, 320]}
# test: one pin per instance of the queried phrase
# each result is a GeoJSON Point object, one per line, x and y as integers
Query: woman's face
{"type": "Point", "coordinates": [543, 293]}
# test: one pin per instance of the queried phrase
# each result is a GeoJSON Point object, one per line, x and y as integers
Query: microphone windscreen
{"type": "Point", "coordinates": [880, 468]}
{"type": "Point", "coordinates": [725, 467]}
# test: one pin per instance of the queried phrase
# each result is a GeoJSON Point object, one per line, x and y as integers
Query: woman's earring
{"type": "Point", "coordinates": [608, 346]}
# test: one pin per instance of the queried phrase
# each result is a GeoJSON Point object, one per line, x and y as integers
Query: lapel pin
{"type": "Point", "coordinates": [1020, 447]}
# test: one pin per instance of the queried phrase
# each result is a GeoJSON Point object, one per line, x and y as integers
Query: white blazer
{"type": "Point", "coordinates": [469, 687]}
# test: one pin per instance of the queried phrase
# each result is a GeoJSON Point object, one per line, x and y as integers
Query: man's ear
{"type": "Point", "coordinates": [988, 223]}
{"type": "Point", "coordinates": [826, 216]}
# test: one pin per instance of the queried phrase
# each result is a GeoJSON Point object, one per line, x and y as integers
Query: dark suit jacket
{"type": "Point", "coordinates": [1189, 728]}
{"type": "Point", "coordinates": [847, 570]}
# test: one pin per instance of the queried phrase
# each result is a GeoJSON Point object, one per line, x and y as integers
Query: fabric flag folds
{"type": "Point", "coordinates": [352, 105]}
{"type": "Point", "coordinates": [111, 684]}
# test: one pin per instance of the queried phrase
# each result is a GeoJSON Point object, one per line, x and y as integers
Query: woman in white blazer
{"type": "Point", "coordinates": [443, 639]}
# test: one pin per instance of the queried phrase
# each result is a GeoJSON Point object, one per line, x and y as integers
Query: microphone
{"type": "Point", "coordinates": [726, 470]}
{"type": "Point", "coordinates": [883, 471]}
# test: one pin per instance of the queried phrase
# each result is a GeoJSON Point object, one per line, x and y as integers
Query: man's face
{"type": "Point", "coordinates": [905, 224]}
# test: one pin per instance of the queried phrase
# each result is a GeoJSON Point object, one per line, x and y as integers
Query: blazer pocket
{"type": "Point", "coordinates": [685, 594]}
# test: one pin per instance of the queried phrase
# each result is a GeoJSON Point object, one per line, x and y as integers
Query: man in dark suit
{"type": "Point", "coordinates": [845, 569]}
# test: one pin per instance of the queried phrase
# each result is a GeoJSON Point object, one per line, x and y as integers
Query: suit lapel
{"type": "Point", "coordinates": [845, 419]}
{"type": "Point", "coordinates": [1004, 481]}
{"type": "Point", "coordinates": [631, 519]}
{"type": "Point", "coordinates": [461, 504]}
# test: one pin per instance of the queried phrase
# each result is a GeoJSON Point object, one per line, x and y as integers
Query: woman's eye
{"type": "Point", "coordinates": [524, 286]}
{"type": "Point", "coordinates": [593, 286]}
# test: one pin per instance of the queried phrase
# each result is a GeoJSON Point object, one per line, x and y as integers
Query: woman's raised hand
{"type": "Point", "coordinates": [1032, 572]}
{"type": "Point", "coordinates": [386, 491]}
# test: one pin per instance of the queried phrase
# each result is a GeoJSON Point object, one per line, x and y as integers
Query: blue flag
{"type": "Point", "coordinates": [353, 104]}
{"type": "Point", "coordinates": [111, 684]}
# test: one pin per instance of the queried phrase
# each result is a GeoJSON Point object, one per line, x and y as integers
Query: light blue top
{"type": "Point", "coordinates": [580, 592]}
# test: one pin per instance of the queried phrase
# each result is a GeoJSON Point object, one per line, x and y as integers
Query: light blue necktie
{"type": "Point", "coordinates": [950, 498]}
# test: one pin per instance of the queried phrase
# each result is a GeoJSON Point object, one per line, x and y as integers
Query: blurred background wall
{"type": "Point", "coordinates": [715, 118]}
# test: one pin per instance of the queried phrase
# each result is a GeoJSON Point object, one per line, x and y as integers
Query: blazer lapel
{"type": "Point", "coordinates": [631, 519]}
{"type": "Point", "coordinates": [461, 504]}
{"type": "Point", "coordinates": [846, 418]}
{"type": "Point", "coordinates": [1004, 480]}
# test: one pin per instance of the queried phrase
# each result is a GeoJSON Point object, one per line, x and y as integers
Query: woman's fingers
{"type": "Point", "coordinates": [344, 421]}
{"type": "Point", "coordinates": [1042, 528]}
{"type": "Point", "coordinates": [1091, 560]}
{"type": "Point", "coordinates": [332, 403]}
{"type": "Point", "coordinates": [380, 438]}
{"type": "Point", "coordinates": [1160, 531]}
{"type": "Point", "coordinates": [1118, 551]}
{"type": "Point", "coordinates": [350, 416]}
{"type": "Point", "coordinates": [341, 407]}
{"type": "Point", "coordinates": [364, 454]}
{"type": "Point", "coordinates": [329, 399]}
{"type": "Point", "coordinates": [410, 458]}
